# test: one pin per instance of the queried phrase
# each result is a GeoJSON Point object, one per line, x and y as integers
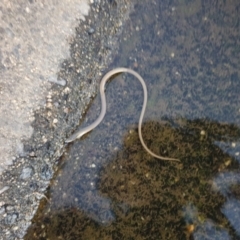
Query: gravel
{"type": "Point", "coordinates": [49, 105]}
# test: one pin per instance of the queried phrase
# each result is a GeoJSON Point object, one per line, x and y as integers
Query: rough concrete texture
{"type": "Point", "coordinates": [42, 86]}
{"type": "Point", "coordinates": [34, 38]}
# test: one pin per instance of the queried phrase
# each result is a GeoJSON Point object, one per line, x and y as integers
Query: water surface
{"type": "Point", "coordinates": [107, 186]}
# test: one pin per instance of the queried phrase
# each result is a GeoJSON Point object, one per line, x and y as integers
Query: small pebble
{"type": "Point", "coordinates": [46, 172]}
{"type": "Point", "coordinates": [11, 218]}
{"type": "Point", "coordinates": [27, 172]}
{"type": "Point", "coordinates": [90, 31]}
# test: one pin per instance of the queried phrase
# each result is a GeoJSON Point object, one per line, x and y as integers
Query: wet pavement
{"type": "Point", "coordinates": [107, 186]}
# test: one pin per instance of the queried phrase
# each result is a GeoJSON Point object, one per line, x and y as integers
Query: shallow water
{"type": "Point", "coordinates": [108, 187]}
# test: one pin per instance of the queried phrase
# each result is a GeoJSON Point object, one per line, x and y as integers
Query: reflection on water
{"type": "Point", "coordinates": [231, 148]}
{"type": "Point", "coordinates": [128, 193]}
{"type": "Point", "coordinates": [108, 187]}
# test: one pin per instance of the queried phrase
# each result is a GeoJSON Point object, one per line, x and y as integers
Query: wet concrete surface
{"type": "Point", "coordinates": [107, 186]}
{"type": "Point", "coordinates": [52, 57]}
